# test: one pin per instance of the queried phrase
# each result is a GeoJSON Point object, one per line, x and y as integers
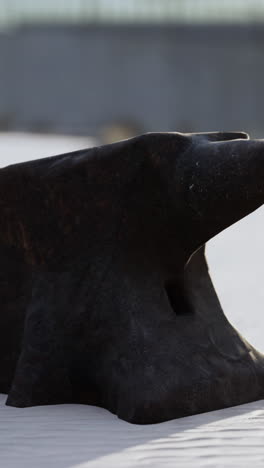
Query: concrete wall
{"type": "Point", "coordinates": [78, 79]}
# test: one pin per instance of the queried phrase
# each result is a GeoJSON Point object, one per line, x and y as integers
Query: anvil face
{"type": "Point", "coordinates": [105, 291]}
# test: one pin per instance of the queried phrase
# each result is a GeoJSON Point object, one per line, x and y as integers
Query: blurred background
{"type": "Point", "coordinates": [74, 73]}
{"type": "Point", "coordinates": [112, 68]}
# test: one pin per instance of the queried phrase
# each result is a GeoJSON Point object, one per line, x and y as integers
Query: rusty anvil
{"type": "Point", "coordinates": [105, 293]}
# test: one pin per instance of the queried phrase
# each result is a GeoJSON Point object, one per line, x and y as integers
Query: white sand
{"type": "Point", "coordinates": [71, 436]}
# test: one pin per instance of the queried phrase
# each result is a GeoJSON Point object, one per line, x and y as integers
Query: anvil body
{"type": "Point", "coordinates": [105, 293]}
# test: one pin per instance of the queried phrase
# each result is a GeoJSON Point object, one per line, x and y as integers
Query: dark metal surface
{"type": "Point", "coordinates": [105, 291]}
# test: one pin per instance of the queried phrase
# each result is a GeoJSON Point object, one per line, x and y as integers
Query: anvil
{"type": "Point", "coordinates": [105, 293]}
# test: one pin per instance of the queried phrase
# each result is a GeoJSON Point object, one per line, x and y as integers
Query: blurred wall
{"type": "Point", "coordinates": [5, 71]}
{"type": "Point", "coordinates": [157, 77]}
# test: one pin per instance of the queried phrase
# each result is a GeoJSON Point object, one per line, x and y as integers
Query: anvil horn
{"type": "Point", "coordinates": [219, 136]}
{"type": "Point", "coordinates": [223, 182]}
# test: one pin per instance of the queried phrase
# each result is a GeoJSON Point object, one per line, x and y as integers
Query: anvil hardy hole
{"type": "Point", "coordinates": [177, 298]}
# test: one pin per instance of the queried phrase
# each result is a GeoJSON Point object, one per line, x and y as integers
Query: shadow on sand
{"type": "Point", "coordinates": [66, 436]}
